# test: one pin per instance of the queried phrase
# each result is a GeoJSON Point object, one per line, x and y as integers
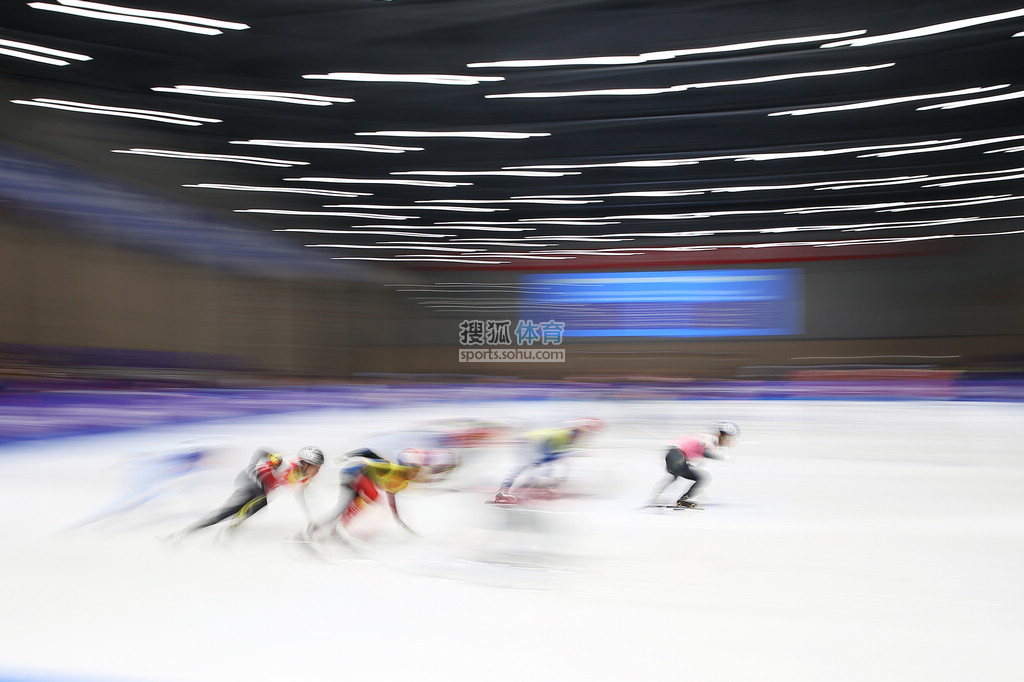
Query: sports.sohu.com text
{"type": "Point", "coordinates": [511, 355]}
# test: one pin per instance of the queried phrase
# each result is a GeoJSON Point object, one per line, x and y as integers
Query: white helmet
{"type": "Point", "coordinates": [727, 429]}
{"type": "Point", "coordinates": [311, 455]}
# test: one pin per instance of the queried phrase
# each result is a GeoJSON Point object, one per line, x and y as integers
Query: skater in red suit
{"type": "Point", "coordinates": [265, 473]}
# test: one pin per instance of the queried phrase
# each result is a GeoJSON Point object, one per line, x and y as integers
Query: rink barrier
{"type": "Point", "coordinates": [47, 414]}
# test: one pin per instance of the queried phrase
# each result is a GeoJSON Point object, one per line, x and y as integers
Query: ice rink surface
{"type": "Point", "coordinates": [840, 541]}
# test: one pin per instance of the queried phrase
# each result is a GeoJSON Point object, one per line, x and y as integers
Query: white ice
{"type": "Point", "coordinates": [840, 541]}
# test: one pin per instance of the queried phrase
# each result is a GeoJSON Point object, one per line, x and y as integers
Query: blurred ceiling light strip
{"type": "Point", "coordinates": [567, 238]}
{"type": "Point", "coordinates": [934, 223]}
{"type": "Point", "coordinates": [656, 163]}
{"type": "Point", "coordinates": [510, 242]}
{"type": "Point", "coordinates": [23, 50]}
{"type": "Point", "coordinates": [100, 108]}
{"type": "Point", "coordinates": [392, 248]}
{"type": "Point", "coordinates": [429, 260]}
{"type": "Point", "coordinates": [33, 57]}
{"type": "Point", "coordinates": [769, 156]}
{"type": "Point", "coordinates": [688, 86]}
{"type": "Point", "coordinates": [975, 202]}
{"type": "Point", "coordinates": [458, 226]}
{"type": "Point", "coordinates": [513, 173]}
{"type": "Point", "coordinates": [955, 183]}
{"type": "Point", "coordinates": [489, 135]}
{"type": "Point", "coordinates": [424, 78]}
{"type": "Point", "coordinates": [760, 156]}
{"type": "Point", "coordinates": [549, 221]}
{"type": "Point", "coordinates": [268, 96]}
{"type": "Point", "coordinates": [277, 211]}
{"type": "Point", "coordinates": [342, 146]}
{"type": "Point", "coordinates": [888, 101]}
{"type": "Point", "coordinates": [365, 181]}
{"type": "Point", "coordinates": [659, 56]}
{"type": "Point", "coordinates": [465, 209]}
{"type": "Point", "coordinates": [973, 102]}
{"type": "Point", "coordinates": [927, 30]}
{"type": "Point", "coordinates": [228, 158]}
{"type": "Point", "coordinates": [461, 242]}
{"type": "Point", "coordinates": [926, 178]}
{"type": "Point", "coordinates": [381, 232]}
{"type": "Point", "coordinates": [522, 256]}
{"type": "Point", "coordinates": [162, 117]}
{"type": "Point", "coordinates": [177, 22]}
{"type": "Point", "coordinates": [825, 184]}
{"type": "Point", "coordinates": [507, 201]}
{"type": "Point", "coordinates": [942, 148]}
{"type": "Point", "coordinates": [285, 190]}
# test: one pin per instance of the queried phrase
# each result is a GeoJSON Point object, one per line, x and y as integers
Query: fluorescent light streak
{"type": "Point", "coordinates": [764, 156]}
{"type": "Point", "coordinates": [341, 146]}
{"type": "Point", "coordinates": [382, 232]}
{"type": "Point", "coordinates": [506, 243]}
{"type": "Point", "coordinates": [889, 101]}
{"type": "Point", "coordinates": [458, 226]}
{"type": "Point", "coordinates": [942, 148]}
{"type": "Point", "coordinates": [392, 248]}
{"type": "Point", "coordinates": [1019, 176]}
{"type": "Point", "coordinates": [33, 57]}
{"type": "Point", "coordinates": [973, 102]}
{"type": "Point", "coordinates": [275, 211]}
{"type": "Point", "coordinates": [465, 209]}
{"type": "Point", "coordinates": [425, 78]}
{"type": "Point", "coordinates": [146, 114]}
{"type": "Point", "coordinates": [177, 22]}
{"type": "Point", "coordinates": [869, 227]}
{"type": "Point", "coordinates": [927, 30]}
{"type": "Point", "coordinates": [483, 134]}
{"type": "Point", "coordinates": [519, 255]}
{"type": "Point", "coordinates": [284, 190]}
{"type": "Point", "coordinates": [367, 181]}
{"type": "Point", "coordinates": [432, 243]}
{"type": "Point", "coordinates": [971, 202]}
{"type": "Point", "coordinates": [568, 238]}
{"type": "Point", "coordinates": [538, 221]}
{"type": "Point", "coordinates": [774, 156]}
{"type": "Point", "coordinates": [688, 86]}
{"type": "Point", "coordinates": [25, 51]}
{"type": "Point", "coordinates": [750, 188]}
{"type": "Point", "coordinates": [658, 56]}
{"type": "Point", "coordinates": [506, 201]}
{"type": "Point", "coordinates": [655, 163]}
{"type": "Point", "coordinates": [263, 95]}
{"type": "Point", "coordinates": [514, 173]}
{"type": "Point", "coordinates": [250, 160]}
{"type": "Point", "coordinates": [611, 92]}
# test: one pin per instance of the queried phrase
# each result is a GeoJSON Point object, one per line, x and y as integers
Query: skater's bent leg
{"type": "Point", "coordinates": [665, 482]}
{"type": "Point", "coordinates": [234, 504]}
{"type": "Point", "coordinates": [700, 481]}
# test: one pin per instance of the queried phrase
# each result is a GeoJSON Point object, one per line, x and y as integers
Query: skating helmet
{"type": "Point", "coordinates": [586, 425]}
{"type": "Point", "coordinates": [411, 457]}
{"type": "Point", "coordinates": [311, 455]}
{"type": "Point", "coordinates": [441, 462]}
{"type": "Point", "coordinates": [727, 429]}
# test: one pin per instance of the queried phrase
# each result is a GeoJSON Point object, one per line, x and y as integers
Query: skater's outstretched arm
{"type": "Point", "coordinates": [393, 505]}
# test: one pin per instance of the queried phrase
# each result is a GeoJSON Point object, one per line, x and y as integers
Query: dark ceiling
{"type": "Point", "coordinates": [662, 167]}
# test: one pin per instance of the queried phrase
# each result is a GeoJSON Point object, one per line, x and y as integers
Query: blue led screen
{"type": "Point", "coordinates": [686, 303]}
